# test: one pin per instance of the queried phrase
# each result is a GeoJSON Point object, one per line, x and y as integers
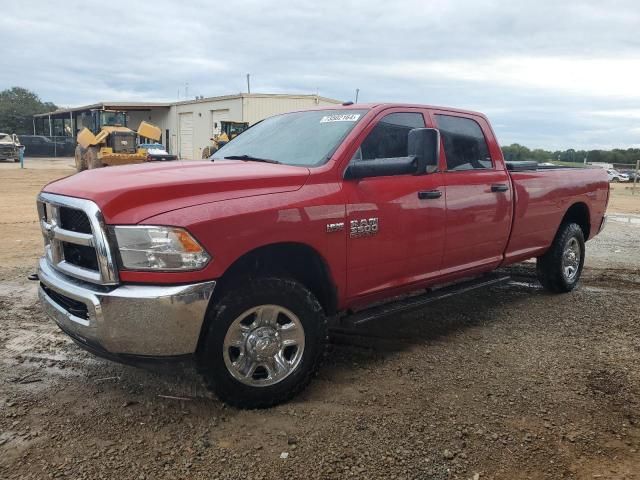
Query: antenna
{"type": "Point", "coordinates": [248, 83]}
{"type": "Point", "coordinates": [186, 90]}
{"type": "Point", "coordinates": [357, 93]}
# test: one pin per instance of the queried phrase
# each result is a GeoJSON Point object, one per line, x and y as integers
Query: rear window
{"type": "Point", "coordinates": [464, 144]}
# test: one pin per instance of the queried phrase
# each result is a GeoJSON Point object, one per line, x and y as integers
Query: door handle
{"type": "Point", "coordinates": [425, 195]}
{"type": "Point", "coordinates": [499, 187]}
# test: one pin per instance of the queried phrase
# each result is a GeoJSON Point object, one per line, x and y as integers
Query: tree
{"type": "Point", "coordinates": [17, 108]}
{"type": "Point", "coordinates": [516, 152]}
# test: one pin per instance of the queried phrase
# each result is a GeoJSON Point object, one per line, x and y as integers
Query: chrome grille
{"type": "Point", "coordinates": [75, 238]}
{"type": "Point", "coordinates": [74, 220]}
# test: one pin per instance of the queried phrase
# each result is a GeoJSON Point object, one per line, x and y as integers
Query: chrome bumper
{"type": "Point", "coordinates": [142, 320]}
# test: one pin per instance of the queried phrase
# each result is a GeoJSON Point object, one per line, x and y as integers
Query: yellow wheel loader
{"type": "Point", "coordinates": [227, 131]}
{"type": "Point", "coordinates": [110, 142]}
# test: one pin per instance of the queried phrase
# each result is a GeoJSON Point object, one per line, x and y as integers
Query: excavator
{"type": "Point", "coordinates": [110, 142]}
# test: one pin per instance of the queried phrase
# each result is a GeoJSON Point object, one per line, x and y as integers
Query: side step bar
{"type": "Point", "coordinates": [418, 301]}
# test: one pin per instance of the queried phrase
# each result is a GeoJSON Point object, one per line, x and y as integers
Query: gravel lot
{"type": "Point", "coordinates": [505, 383]}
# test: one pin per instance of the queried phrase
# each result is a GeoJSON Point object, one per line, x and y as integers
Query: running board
{"type": "Point", "coordinates": [419, 301]}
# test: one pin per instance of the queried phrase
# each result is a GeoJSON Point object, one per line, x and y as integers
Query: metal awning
{"type": "Point", "coordinates": [106, 106]}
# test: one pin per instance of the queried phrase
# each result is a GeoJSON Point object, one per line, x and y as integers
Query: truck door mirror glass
{"type": "Point", "coordinates": [424, 146]}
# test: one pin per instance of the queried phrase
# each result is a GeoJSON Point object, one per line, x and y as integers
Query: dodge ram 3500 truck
{"type": "Point", "coordinates": [239, 262]}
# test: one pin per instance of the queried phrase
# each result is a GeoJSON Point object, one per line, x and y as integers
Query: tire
{"type": "Point", "coordinates": [615, 180]}
{"type": "Point", "coordinates": [239, 338]}
{"type": "Point", "coordinates": [91, 158]}
{"type": "Point", "coordinates": [81, 163]}
{"type": "Point", "coordinates": [560, 268]}
{"type": "Point", "coordinates": [208, 151]}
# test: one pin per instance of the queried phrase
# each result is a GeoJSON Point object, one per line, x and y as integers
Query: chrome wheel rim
{"type": "Point", "coordinates": [263, 345]}
{"type": "Point", "coordinates": [571, 259]}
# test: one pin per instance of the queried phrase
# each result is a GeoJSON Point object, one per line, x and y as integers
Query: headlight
{"type": "Point", "coordinates": [159, 248]}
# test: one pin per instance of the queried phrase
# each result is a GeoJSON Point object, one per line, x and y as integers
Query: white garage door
{"type": "Point", "coordinates": [186, 136]}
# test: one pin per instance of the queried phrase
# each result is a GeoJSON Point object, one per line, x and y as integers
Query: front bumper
{"type": "Point", "coordinates": [138, 320]}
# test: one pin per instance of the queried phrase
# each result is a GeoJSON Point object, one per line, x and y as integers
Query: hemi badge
{"type": "Point", "coordinates": [335, 227]}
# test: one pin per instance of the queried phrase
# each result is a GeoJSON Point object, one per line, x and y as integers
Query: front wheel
{"type": "Point", "coordinates": [91, 158]}
{"type": "Point", "coordinates": [560, 268]}
{"type": "Point", "coordinates": [208, 151]}
{"type": "Point", "coordinates": [262, 343]}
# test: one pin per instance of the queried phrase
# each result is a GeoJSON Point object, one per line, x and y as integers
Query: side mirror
{"type": "Point", "coordinates": [424, 146]}
{"type": "Point", "coordinates": [381, 167]}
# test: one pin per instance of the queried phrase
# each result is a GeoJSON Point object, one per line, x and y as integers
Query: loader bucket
{"type": "Point", "coordinates": [149, 131]}
{"type": "Point", "coordinates": [86, 138]}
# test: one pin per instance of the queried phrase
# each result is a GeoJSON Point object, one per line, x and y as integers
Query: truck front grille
{"type": "Point", "coordinates": [74, 220]}
{"type": "Point", "coordinates": [7, 150]}
{"type": "Point", "coordinates": [75, 238]}
{"type": "Point", "coordinates": [80, 255]}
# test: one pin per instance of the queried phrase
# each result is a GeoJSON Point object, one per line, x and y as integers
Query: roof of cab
{"type": "Point", "coordinates": [384, 106]}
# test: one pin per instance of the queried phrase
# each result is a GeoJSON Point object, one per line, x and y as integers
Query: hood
{"type": "Point", "coordinates": [131, 193]}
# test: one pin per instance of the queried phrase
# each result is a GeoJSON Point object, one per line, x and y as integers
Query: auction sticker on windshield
{"type": "Point", "coordinates": [344, 117]}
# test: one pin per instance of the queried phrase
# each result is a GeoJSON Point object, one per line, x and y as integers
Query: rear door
{"type": "Point", "coordinates": [395, 233]}
{"type": "Point", "coordinates": [478, 194]}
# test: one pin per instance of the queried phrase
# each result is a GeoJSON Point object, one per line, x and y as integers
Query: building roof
{"type": "Point", "coordinates": [257, 95]}
{"type": "Point", "coordinates": [148, 105]}
{"type": "Point", "coordinates": [108, 106]}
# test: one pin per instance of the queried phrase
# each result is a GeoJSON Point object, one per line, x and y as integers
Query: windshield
{"type": "Point", "coordinates": [5, 138]}
{"type": "Point", "coordinates": [300, 138]}
{"type": "Point", "coordinates": [113, 118]}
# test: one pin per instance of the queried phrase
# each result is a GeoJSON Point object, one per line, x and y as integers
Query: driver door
{"type": "Point", "coordinates": [395, 228]}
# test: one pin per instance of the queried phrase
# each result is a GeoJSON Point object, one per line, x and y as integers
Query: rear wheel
{"type": "Point", "coordinates": [560, 268]}
{"type": "Point", "coordinates": [81, 163]}
{"type": "Point", "coordinates": [263, 342]}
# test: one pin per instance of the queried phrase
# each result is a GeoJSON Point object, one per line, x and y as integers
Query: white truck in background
{"type": "Point", "coordinates": [9, 147]}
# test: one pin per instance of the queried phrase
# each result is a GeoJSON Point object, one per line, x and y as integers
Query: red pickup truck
{"type": "Point", "coordinates": [343, 214]}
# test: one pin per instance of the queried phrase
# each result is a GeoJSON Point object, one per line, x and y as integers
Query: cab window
{"type": "Point", "coordinates": [464, 144]}
{"type": "Point", "coordinates": [388, 139]}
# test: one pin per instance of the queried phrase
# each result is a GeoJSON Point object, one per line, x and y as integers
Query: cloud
{"type": "Point", "coordinates": [549, 74]}
{"type": "Point", "coordinates": [595, 77]}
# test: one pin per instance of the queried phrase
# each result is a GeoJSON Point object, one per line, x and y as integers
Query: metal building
{"type": "Point", "coordinates": [194, 122]}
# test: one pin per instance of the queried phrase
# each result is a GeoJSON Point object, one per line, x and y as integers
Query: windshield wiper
{"type": "Point", "coordinates": [250, 158]}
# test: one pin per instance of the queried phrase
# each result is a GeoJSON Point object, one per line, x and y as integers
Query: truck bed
{"type": "Point", "coordinates": [542, 196]}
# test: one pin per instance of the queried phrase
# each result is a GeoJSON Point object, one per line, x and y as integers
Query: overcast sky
{"type": "Point", "coordinates": [549, 73]}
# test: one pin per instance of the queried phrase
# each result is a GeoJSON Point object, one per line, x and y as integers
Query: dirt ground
{"type": "Point", "coordinates": [509, 383]}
